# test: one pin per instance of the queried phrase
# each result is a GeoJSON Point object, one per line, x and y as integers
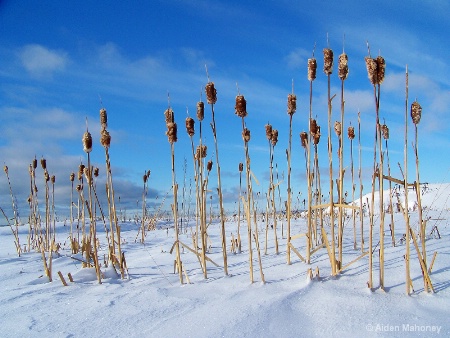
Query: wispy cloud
{"type": "Point", "coordinates": [40, 61]}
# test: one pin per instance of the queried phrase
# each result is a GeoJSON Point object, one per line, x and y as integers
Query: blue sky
{"type": "Point", "coordinates": [60, 57]}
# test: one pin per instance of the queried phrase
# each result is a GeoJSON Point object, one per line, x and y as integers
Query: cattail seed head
{"type": "Point", "coordinates": [168, 114]}
{"type": "Point", "coordinates": [78, 187]}
{"type": "Point", "coordinates": [53, 179]}
{"type": "Point", "coordinates": [200, 110]}
{"type": "Point", "coordinates": [343, 66]}
{"type": "Point", "coordinates": [81, 168]}
{"type": "Point", "coordinates": [241, 106]}
{"type": "Point", "coordinates": [43, 163]}
{"type": "Point", "coordinates": [148, 173]}
{"type": "Point", "coordinates": [72, 177]}
{"type": "Point", "coordinates": [268, 131]}
{"type": "Point", "coordinates": [144, 178]}
{"type": "Point", "coordinates": [372, 73]}
{"type": "Point", "coordinates": [241, 167]}
{"type": "Point", "coordinates": [103, 118]}
{"type": "Point", "coordinates": [385, 131]}
{"type": "Point", "coordinates": [87, 174]}
{"type": "Point", "coordinates": [304, 139]}
{"type": "Point", "coordinates": [190, 126]}
{"type": "Point", "coordinates": [274, 138]}
{"type": "Point", "coordinates": [416, 112]}
{"type": "Point", "coordinates": [312, 68]}
{"type": "Point", "coordinates": [209, 165]}
{"type": "Point", "coordinates": [381, 67]}
{"type": "Point", "coordinates": [96, 171]}
{"type": "Point", "coordinates": [87, 142]}
{"type": "Point", "coordinates": [5, 168]}
{"type": "Point", "coordinates": [291, 104]}
{"type": "Point", "coordinates": [316, 136]}
{"type": "Point", "coordinates": [172, 132]}
{"type": "Point", "coordinates": [313, 126]}
{"type": "Point", "coordinates": [327, 61]}
{"type": "Point", "coordinates": [338, 128]}
{"type": "Point", "coordinates": [201, 152]}
{"type": "Point", "coordinates": [105, 138]}
{"type": "Point", "coordinates": [246, 135]}
{"type": "Point", "coordinates": [46, 175]}
{"type": "Point", "coordinates": [211, 93]}
{"type": "Point", "coordinates": [34, 163]}
{"type": "Point", "coordinates": [351, 132]}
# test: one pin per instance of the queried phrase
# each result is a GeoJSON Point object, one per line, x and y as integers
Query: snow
{"type": "Point", "coordinates": [151, 302]}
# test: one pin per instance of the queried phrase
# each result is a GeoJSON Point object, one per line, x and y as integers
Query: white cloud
{"type": "Point", "coordinates": [40, 61]}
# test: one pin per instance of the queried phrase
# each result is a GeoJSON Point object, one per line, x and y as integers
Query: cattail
{"type": "Point", "coordinates": [327, 61]}
{"type": "Point", "coordinates": [268, 131]}
{"type": "Point", "coordinates": [371, 65]}
{"type": "Point", "coordinates": [148, 173]}
{"type": "Point", "coordinates": [304, 138]}
{"type": "Point", "coordinates": [312, 67]}
{"type": "Point", "coordinates": [43, 163]}
{"type": "Point", "coordinates": [72, 177]}
{"type": "Point", "coordinates": [337, 128]}
{"type": "Point", "coordinates": [96, 171]}
{"type": "Point", "coordinates": [385, 131]}
{"type": "Point", "coordinates": [316, 136]}
{"type": "Point", "coordinates": [34, 163]}
{"type": "Point", "coordinates": [53, 179]}
{"type": "Point", "coordinates": [313, 126]}
{"type": "Point", "coordinates": [46, 175]}
{"type": "Point", "coordinates": [209, 165]}
{"type": "Point", "coordinates": [274, 138]}
{"type": "Point", "coordinates": [81, 168]}
{"type": "Point", "coordinates": [241, 167]}
{"type": "Point", "coordinates": [190, 126]}
{"type": "Point", "coordinates": [80, 175]}
{"type": "Point", "coordinates": [87, 142]}
{"type": "Point", "coordinates": [381, 67]}
{"type": "Point", "coordinates": [416, 112]}
{"type": "Point", "coordinates": [172, 132]}
{"type": "Point", "coordinates": [200, 110]}
{"type": "Point", "coordinates": [144, 178]}
{"type": "Point", "coordinates": [241, 106]}
{"type": "Point", "coordinates": [105, 138]}
{"type": "Point", "coordinates": [201, 152]}
{"type": "Point", "coordinates": [87, 174]}
{"type": "Point", "coordinates": [351, 132]}
{"type": "Point", "coordinates": [168, 114]}
{"type": "Point", "coordinates": [343, 66]}
{"type": "Point", "coordinates": [103, 118]}
{"type": "Point", "coordinates": [5, 168]}
{"type": "Point", "coordinates": [211, 93]}
{"type": "Point", "coordinates": [246, 135]}
{"type": "Point", "coordinates": [291, 104]}
{"type": "Point", "coordinates": [78, 187]}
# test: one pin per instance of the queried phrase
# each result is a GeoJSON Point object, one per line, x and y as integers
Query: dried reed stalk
{"type": "Point", "coordinates": [291, 108]}
{"type": "Point", "coordinates": [385, 133]}
{"type": "Point", "coordinates": [15, 213]}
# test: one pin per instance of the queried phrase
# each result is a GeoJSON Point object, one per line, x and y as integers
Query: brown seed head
{"type": "Point", "coordinates": [372, 73]}
{"type": "Point", "coordinates": [351, 132]}
{"type": "Point", "coordinates": [241, 167]}
{"type": "Point", "coordinates": [53, 179]}
{"type": "Point", "coordinates": [274, 138]}
{"type": "Point", "coordinates": [316, 136]}
{"type": "Point", "coordinates": [241, 106]}
{"type": "Point", "coordinates": [148, 173]}
{"type": "Point", "coordinates": [144, 178]}
{"type": "Point", "coordinates": [416, 112]}
{"type": "Point", "coordinates": [381, 67]}
{"type": "Point", "coordinates": [78, 187]}
{"type": "Point", "coordinates": [87, 174]}
{"type": "Point", "coordinates": [343, 66]}
{"type": "Point", "coordinates": [211, 93]}
{"type": "Point", "coordinates": [190, 126]}
{"type": "Point", "coordinates": [246, 135]}
{"type": "Point", "coordinates": [172, 132]}
{"type": "Point", "coordinates": [72, 177]}
{"type": "Point", "coordinates": [313, 126]}
{"type": "Point", "coordinates": [209, 165]}
{"type": "Point", "coordinates": [103, 118]}
{"type": "Point", "coordinates": [168, 114]}
{"type": "Point", "coordinates": [87, 142]}
{"type": "Point", "coordinates": [81, 168]}
{"type": "Point", "coordinates": [5, 168]}
{"type": "Point", "coordinates": [35, 163]}
{"type": "Point", "coordinates": [312, 68]}
{"type": "Point", "coordinates": [105, 138]}
{"type": "Point", "coordinates": [46, 175]}
{"type": "Point", "coordinates": [304, 138]}
{"type": "Point", "coordinates": [268, 131]}
{"type": "Point", "coordinates": [43, 163]}
{"type": "Point", "coordinates": [96, 171]}
{"type": "Point", "coordinates": [327, 61]}
{"type": "Point", "coordinates": [291, 104]}
{"type": "Point", "coordinates": [385, 131]}
{"type": "Point", "coordinates": [201, 152]}
{"type": "Point", "coordinates": [200, 110]}
{"type": "Point", "coordinates": [338, 128]}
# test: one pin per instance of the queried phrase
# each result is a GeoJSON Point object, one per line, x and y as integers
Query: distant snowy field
{"type": "Point", "coordinates": [152, 303]}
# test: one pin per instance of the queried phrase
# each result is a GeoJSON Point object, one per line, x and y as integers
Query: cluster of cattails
{"type": "Point", "coordinates": [268, 131]}
{"type": "Point", "coordinates": [351, 132]}
{"type": "Point", "coordinates": [201, 152]}
{"type": "Point", "coordinates": [241, 106]}
{"type": "Point", "coordinates": [291, 104]}
{"type": "Point", "coordinates": [211, 93]}
{"type": "Point", "coordinates": [315, 131]}
{"type": "Point", "coordinates": [327, 61]}
{"type": "Point", "coordinates": [190, 126]}
{"type": "Point", "coordinates": [171, 126]}
{"type": "Point", "coordinates": [312, 68]}
{"type": "Point", "coordinates": [416, 112]}
{"type": "Point", "coordinates": [343, 66]}
{"type": "Point", "coordinates": [375, 69]}
{"type": "Point", "coordinates": [385, 131]}
{"type": "Point", "coordinates": [271, 134]}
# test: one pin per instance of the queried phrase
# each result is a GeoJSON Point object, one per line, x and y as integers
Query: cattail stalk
{"type": "Point", "coordinates": [292, 106]}
{"type": "Point", "coordinates": [361, 214]}
{"type": "Point", "coordinates": [385, 132]}
{"type": "Point", "coordinates": [351, 136]}
{"type": "Point", "coordinates": [408, 228]}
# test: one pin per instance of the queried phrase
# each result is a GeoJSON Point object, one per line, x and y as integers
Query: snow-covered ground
{"type": "Point", "coordinates": [151, 302]}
